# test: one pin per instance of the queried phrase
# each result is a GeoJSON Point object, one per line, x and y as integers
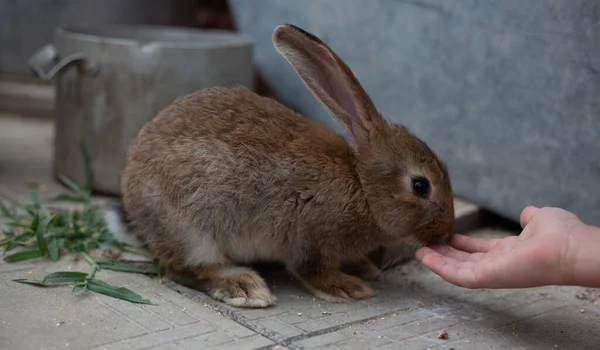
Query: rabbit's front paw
{"type": "Point", "coordinates": [240, 287]}
{"type": "Point", "coordinates": [337, 287]}
{"type": "Point", "coordinates": [363, 268]}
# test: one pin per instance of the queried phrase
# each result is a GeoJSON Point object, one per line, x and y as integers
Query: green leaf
{"type": "Point", "coordinates": [79, 287]}
{"type": "Point", "coordinates": [47, 220]}
{"type": "Point", "coordinates": [5, 212]}
{"type": "Point", "coordinates": [35, 198]}
{"type": "Point", "coordinates": [88, 258]}
{"type": "Point", "coordinates": [87, 164]}
{"type": "Point", "coordinates": [41, 231]}
{"type": "Point", "coordinates": [35, 282]}
{"type": "Point", "coordinates": [6, 241]}
{"type": "Point", "coordinates": [25, 236]}
{"type": "Point", "coordinates": [75, 187]}
{"type": "Point", "coordinates": [35, 223]}
{"type": "Point", "coordinates": [116, 292]}
{"type": "Point", "coordinates": [19, 241]}
{"type": "Point", "coordinates": [68, 198]}
{"type": "Point", "coordinates": [9, 232]}
{"type": "Point", "coordinates": [56, 277]}
{"type": "Point", "coordinates": [92, 271]}
{"type": "Point", "coordinates": [65, 277]}
{"type": "Point", "coordinates": [24, 255]}
{"type": "Point", "coordinates": [10, 246]}
{"type": "Point", "coordinates": [53, 248]}
{"type": "Point", "coordinates": [118, 266]}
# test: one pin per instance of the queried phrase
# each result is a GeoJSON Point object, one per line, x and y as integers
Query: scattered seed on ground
{"type": "Point", "coordinates": [442, 335]}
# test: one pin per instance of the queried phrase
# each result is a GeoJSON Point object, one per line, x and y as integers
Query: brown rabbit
{"type": "Point", "coordinates": [223, 177]}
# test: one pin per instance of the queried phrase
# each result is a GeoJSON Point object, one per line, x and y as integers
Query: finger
{"type": "Point", "coordinates": [527, 214]}
{"type": "Point", "coordinates": [422, 252]}
{"type": "Point", "coordinates": [435, 261]}
{"type": "Point", "coordinates": [472, 244]}
{"type": "Point", "coordinates": [459, 274]}
{"type": "Point", "coordinates": [451, 252]}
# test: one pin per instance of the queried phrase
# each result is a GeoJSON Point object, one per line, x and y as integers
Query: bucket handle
{"type": "Point", "coordinates": [46, 62]}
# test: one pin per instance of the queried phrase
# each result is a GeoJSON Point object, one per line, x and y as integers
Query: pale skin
{"type": "Point", "coordinates": [554, 248]}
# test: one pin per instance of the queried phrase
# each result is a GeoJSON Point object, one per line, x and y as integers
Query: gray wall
{"type": "Point", "coordinates": [507, 92]}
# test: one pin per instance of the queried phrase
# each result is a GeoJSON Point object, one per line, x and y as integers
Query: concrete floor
{"type": "Point", "coordinates": [413, 305]}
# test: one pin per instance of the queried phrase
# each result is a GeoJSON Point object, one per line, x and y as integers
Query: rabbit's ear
{"type": "Point", "coordinates": [329, 79]}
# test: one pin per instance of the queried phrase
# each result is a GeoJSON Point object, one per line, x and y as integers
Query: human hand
{"type": "Point", "coordinates": [554, 248]}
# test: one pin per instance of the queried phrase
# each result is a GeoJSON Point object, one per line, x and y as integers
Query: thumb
{"type": "Point", "coordinates": [527, 214]}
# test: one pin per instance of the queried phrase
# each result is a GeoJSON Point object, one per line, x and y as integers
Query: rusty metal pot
{"type": "Point", "coordinates": [110, 80]}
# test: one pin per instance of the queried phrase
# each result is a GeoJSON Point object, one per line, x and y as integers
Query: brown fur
{"type": "Point", "coordinates": [223, 176]}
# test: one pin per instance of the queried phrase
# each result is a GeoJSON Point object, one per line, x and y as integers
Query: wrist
{"type": "Point", "coordinates": [581, 263]}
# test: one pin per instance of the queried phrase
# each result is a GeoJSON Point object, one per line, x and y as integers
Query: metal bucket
{"type": "Point", "coordinates": [111, 80]}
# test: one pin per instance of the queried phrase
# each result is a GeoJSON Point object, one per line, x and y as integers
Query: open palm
{"type": "Point", "coordinates": [540, 255]}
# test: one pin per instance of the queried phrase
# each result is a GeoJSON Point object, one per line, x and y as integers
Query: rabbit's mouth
{"type": "Point", "coordinates": [426, 237]}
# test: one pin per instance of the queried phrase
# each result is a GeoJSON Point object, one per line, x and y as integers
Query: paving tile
{"type": "Point", "coordinates": [38, 318]}
{"type": "Point", "coordinates": [559, 328]}
{"type": "Point", "coordinates": [158, 339]}
{"type": "Point", "coordinates": [52, 317]}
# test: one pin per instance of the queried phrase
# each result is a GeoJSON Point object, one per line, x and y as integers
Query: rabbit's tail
{"type": "Point", "coordinates": [116, 222]}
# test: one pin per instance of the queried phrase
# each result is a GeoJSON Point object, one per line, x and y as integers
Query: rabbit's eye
{"type": "Point", "coordinates": [420, 186]}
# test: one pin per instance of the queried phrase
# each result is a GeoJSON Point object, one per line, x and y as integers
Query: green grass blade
{"type": "Point", "coordinates": [53, 248]}
{"type": "Point", "coordinates": [56, 277]}
{"type": "Point", "coordinates": [6, 241]}
{"type": "Point", "coordinates": [35, 223]}
{"type": "Point", "coordinates": [5, 212]}
{"type": "Point", "coordinates": [68, 198]}
{"type": "Point", "coordinates": [41, 231]}
{"type": "Point", "coordinates": [11, 245]}
{"type": "Point", "coordinates": [72, 185]}
{"type": "Point", "coordinates": [9, 232]}
{"type": "Point", "coordinates": [65, 277]}
{"type": "Point", "coordinates": [18, 241]}
{"type": "Point", "coordinates": [75, 187]}
{"type": "Point", "coordinates": [115, 292]}
{"type": "Point", "coordinates": [79, 287]}
{"type": "Point", "coordinates": [24, 255]}
{"type": "Point", "coordinates": [25, 236]}
{"type": "Point", "coordinates": [47, 220]}
{"type": "Point", "coordinates": [34, 282]}
{"type": "Point", "coordinates": [88, 258]}
{"type": "Point", "coordinates": [35, 198]}
{"type": "Point", "coordinates": [119, 266]}
{"type": "Point", "coordinates": [93, 270]}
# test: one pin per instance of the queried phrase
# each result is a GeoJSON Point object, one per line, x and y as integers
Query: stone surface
{"type": "Point", "coordinates": [505, 92]}
{"type": "Point", "coordinates": [413, 306]}
{"type": "Point", "coordinates": [54, 318]}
